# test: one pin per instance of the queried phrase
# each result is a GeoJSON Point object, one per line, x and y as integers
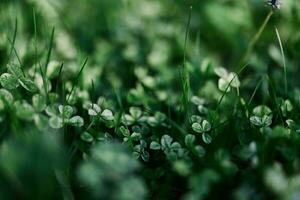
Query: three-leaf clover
{"type": "Point", "coordinates": [129, 138]}
{"type": "Point", "coordinates": [106, 115]}
{"type": "Point", "coordinates": [189, 141]}
{"type": "Point", "coordinates": [135, 115]}
{"type": "Point", "coordinates": [15, 77]}
{"type": "Point", "coordinates": [226, 80]}
{"type": "Point", "coordinates": [203, 126]}
{"type": "Point", "coordinates": [173, 150]}
{"type": "Point", "coordinates": [157, 119]}
{"type": "Point", "coordinates": [261, 116]}
{"type": "Point", "coordinates": [140, 151]}
{"type": "Point", "coordinates": [58, 120]}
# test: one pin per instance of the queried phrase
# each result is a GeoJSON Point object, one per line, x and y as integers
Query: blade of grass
{"type": "Point", "coordinates": [283, 60]}
{"type": "Point", "coordinates": [273, 93]}
{"type": "Point", "coordinates": [120, 104]}
{"type": "Point", "coordinates": [76, 80]}
{"type": "Point", "coordinates": [59, 78]}
{"type": "Point", "coordinates": [255, 90]}
{"type": "Point", "coordinates": [35, 43]}
{"type": "Point", "coordinates": [15, 51]}
{"type": "Point", "coordinates": [43, 73]}
{"type": "Point", "coordinates": [228, 86]}
{"type": "Point", "coordinates": [185, 79]}
{"type": "Point", "coordinates": [14, 39]}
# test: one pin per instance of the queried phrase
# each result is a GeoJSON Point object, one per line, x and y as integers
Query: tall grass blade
{"type": "Point", "coordinates": [283, 60]}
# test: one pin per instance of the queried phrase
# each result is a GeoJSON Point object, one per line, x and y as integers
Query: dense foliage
{"type": "Point", "coordinates": [124, 99]}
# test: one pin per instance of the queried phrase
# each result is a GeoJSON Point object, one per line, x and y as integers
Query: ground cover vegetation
{"type": "Point", "coordinates": [140, 99]}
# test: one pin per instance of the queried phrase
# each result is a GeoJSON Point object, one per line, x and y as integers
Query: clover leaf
{"type": "Point", "coordinates": [9, 81]}
{"type": "Point", "coordinates": [94, 109]}
{"type": "Point", "coordinates": [15, 77]}
{"type": "Point", "coordinates": [261, 116]}
{"type": "Point", "coordinates": [24, 110]}
{"type": "Point", "coordinates": [226, 80]}
{"type": "Point", "coordinates": [39, 102]}
{"type": "Point", "coordinates": [58, 120]}
{"type": "Point", "coordinates": [87, 137]}
{"type": "Point", "coordinates": [202, 127]}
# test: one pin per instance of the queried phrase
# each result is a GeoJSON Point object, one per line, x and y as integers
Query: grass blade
{"type": "Point", "coordinates": [283, 60]}
{"type": "Point", "coordinates": [76, 79]}
{"type": "Point", "coordinates": [185, 79]}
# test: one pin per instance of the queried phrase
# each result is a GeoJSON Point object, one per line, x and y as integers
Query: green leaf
{"type": "Point", "coordinates": [221, 72]}
{"type": "Point", "coordinates": [291, 124]}
{"type": "Point", "coordinates": [202, 109]}
{"type": "Point", "coordinates": [53, 69]}
{"type": "Point", "coordinates": [136, 136]}
{"type": "Point", "coordinates": [166, 141]}
{"type": "Point", "coordinates": [145, 156]}
{"type": "Point", "coordinates": [175, 146]}
{"type": "Point", "coordinates": [66, 111]}
{"type": "Point", "coordinates": [24, 110]}
{"type": "Point", "coordinates": [197, 101]}
{"type": "Point", "coordinates": [197, 127]}
{"type": "Point", "coordinates": [200, 150]}
{"type": "Point", "coordinates": [107, 115]}
{"type": "Point", "coordinates": [87, 137]}
{"type": "Point", "coordinates": [154, 145]}
{"type": "Point", "coordinates": [262, 110]}
{"type": "Point", "coordinates": [135, 112]}
{"type": "Point", "coordinates": [94, 109]}
{"type": "Point", "coordinates": [286, 106]}
{"type": "Point", "coordinates": [41, 121]}
{"type": "Point", "coordinates": [9, 81]}
{"type": "Point", "coordinates": [189, 140]}
{"type": "Point", "coordinates": [202, 127]}
{"type": "Point", "coordinates": [152, 121]}
{"type": "Point", "coordinates": [124, 131]}
{"type": "Point", "coordinates": [76, 121]}
{"type": "Point", "coordinates": [206, 138]}
{"type": "Point", "coordinates": [127, 120]}
{"type": "Point", "coordinates": [39, 102]}
{"type": "Point", "coordinates": [6, 96]}
{"type": "Point", "coordinates": [15, 70]}
{"type": "Point", "coordinates": [51, 110]}
{"type": "Point", "coordinates": [256, 120]}
{"type": "Point", "coordinates": [56, 122]}
{"type": "Point", "coordinates": [28, 84]}
{"type": "Point", "coordinates": [223, 85]}
{"type": "Point", "coordinates": [206, 126]}
{"type": "Point", "coordinates": [160, 117]}
{"type": "Point", "coordinates": [262, 116]}
{"type": "Point", "coordinates": [196, 118]}
{"type": "Point", "coordinates": [233, 80]}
